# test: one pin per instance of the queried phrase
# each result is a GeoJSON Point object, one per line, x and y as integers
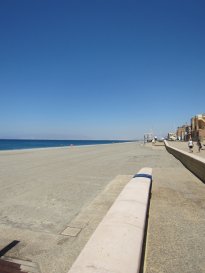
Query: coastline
{"type": "Point", "coordinates": [64, 147]}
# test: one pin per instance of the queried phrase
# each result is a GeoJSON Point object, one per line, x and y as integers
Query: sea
{"type": "Point", "coordinates": [17, 144]}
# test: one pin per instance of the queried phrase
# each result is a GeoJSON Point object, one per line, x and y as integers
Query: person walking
{"type": "Point", "coordinates": [190, 145]}
{"type": "Point", "coordinates": [199, 145]}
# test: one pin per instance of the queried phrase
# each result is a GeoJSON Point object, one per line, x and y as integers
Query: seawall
{"type": "Point", "coordinates": [192, 162]}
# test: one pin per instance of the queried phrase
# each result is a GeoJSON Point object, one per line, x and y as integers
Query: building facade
{"type": "Point", "coordinates": [184, 132]}
{"type": "Point", "coordinates": [198, 127]}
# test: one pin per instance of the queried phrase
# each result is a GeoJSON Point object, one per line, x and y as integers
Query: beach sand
{"type": "Point", "coordinates": [45, 191]}
{"type": "Point", "coordinates": [53, 199]}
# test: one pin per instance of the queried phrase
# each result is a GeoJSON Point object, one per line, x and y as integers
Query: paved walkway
{"type": "Point", "coordinates": [52, 200]}
{"type": "Point", "coordinates": [176, 230]}
{"type": "Point", "coordinates": [184, 146]}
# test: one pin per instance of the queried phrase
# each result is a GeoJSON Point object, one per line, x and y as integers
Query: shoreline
{"type": "Point", "coordinates": [64, 147]}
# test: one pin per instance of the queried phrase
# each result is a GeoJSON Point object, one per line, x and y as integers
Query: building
{"type": "Point", "coordinates": [184, 132]}
{"type": "Point", "coordinates": [148, 137]}
{"type": "Point", "coordinates": [172, 136]}
{"type": "Point", "coordinates": [198, 127]}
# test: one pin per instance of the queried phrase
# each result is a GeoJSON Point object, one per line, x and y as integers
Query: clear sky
{"type": "Point", "coordinates": [100, 69]}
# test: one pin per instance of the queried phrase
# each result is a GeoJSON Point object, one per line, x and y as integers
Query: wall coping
{"type": "Point", "coordinates": [116, 245]}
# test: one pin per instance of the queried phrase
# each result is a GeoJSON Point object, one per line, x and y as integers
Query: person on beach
{"type": "Point", "coordinates": [199, 145]}
{"type": "Point", "coordinates": [190, 145]}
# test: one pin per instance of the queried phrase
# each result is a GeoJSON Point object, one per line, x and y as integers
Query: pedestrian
{"type": "Point", "coordinates": [190, 145]}
{"type": "Point", "coordinates": [199, 145]}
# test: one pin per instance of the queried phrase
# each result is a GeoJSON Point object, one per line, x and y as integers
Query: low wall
{"type": "Point", "coordinates": [193, 162]}
{"type": "Point", "coordinates": [116, 245]}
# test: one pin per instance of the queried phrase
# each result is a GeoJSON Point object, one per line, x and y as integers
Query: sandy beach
{"type": "Point", "coordinates": [44, 191]}
{"type": "Point", "coordinates": [53, 199]}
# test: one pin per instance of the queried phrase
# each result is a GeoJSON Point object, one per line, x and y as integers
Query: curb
{"type": "Point", "coordinates": [116, 245]}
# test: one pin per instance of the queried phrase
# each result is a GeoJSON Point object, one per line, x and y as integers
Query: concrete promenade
{"type": "Point", "coordinates": [176, 233]}
{"type": "Point", "coordinates": [53, 199]}
{"type": "Point", "coordinates": [184, 147]}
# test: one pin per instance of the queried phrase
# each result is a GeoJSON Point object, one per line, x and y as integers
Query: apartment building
{"type": "Point", "coordinates": [184, 132]}
{"type": "Point", "coordinates": [198, 127]}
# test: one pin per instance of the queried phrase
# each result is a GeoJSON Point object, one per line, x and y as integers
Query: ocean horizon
{"type": "Point", "coordinates": [18, 144]}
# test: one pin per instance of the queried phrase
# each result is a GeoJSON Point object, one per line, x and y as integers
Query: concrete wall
{"type": "Point", "coordinates": [116, 244]}
{"type": "Point", "coordinates": [193, 162]}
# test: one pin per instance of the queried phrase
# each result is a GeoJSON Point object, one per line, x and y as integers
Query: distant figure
{"type": "Point", "coordinates": [199, 145]}
{"type": "Point", "coordinates": [190, 145]}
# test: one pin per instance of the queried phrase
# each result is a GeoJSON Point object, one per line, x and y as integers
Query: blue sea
{"type": "Point", "coordinates": [17, 144]}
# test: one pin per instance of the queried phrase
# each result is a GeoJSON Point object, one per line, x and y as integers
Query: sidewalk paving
{"type": "Point", "coordinates": [176, 226]}
{"type": "Point", "coordinates": [184, 146]}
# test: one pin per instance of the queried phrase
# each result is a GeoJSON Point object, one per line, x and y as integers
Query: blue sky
{"type": "Point", "coordinates": [100, 69]}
